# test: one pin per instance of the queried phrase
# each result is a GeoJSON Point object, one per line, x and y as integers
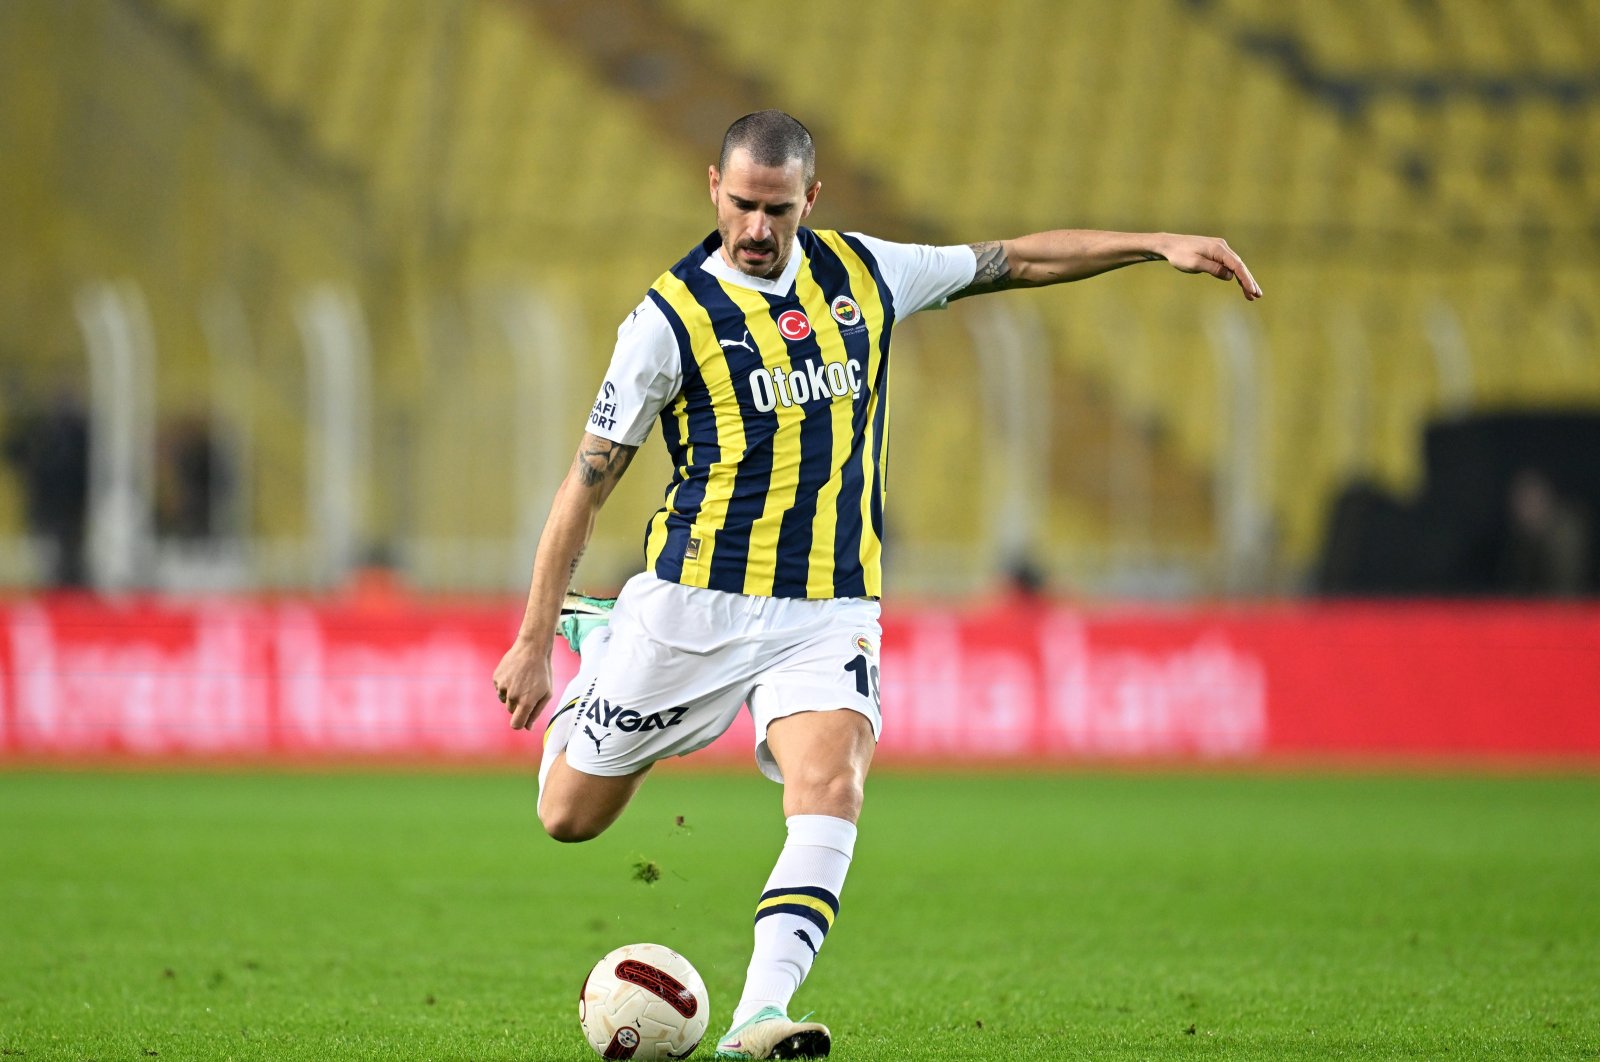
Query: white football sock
{"type": "Point", "coordinates": [796, 910]}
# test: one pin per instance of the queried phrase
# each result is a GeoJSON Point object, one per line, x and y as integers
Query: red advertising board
{"type": "Point", "coordinates": [297, 680]}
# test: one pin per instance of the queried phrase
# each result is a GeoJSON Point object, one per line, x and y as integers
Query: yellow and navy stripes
{"type": "Point", "coordinates": [816, 905]}
{"type": "Point", "coordinates": [777, 437]}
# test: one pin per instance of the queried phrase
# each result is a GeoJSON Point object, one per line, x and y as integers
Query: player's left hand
{"type": "Point", "coordinates": [1209, 254]}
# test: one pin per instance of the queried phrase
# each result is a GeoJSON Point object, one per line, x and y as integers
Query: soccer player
{"type": "Point", "coordinates": [765, 355]}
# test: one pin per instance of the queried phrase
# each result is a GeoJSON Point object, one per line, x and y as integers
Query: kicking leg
{"type": "Point", "coordinates": [574, 806]}
{"type": "Point", "coordinates": [824, 757]}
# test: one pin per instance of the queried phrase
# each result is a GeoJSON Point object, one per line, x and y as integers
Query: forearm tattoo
{"type": "Point", "coordinates": [1151, 256]}
{"type": "Point", "coordinates": [993, 272]}
{"type": "Point", "coordinates": [601, 459]}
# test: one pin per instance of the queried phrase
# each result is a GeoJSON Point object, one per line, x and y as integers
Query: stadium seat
{"type": "Point", "coordinates": [1365, 157]}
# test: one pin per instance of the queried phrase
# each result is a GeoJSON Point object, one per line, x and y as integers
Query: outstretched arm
{"type": "Point", "coordinates": [1073, 254]}
{"type": "Point", "coordinates": [523, 678]}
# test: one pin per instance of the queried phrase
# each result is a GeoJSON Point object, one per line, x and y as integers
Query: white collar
{"type": "Point", "coordinates": [717, 267]}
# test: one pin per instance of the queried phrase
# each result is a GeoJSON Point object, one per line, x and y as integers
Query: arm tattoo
{"type": "Point", "coordinates": [572, 570]}
{"type": "Point", "coordinates": [992, 265]}
{"type": "Point", "coordinates": [1151, 256]}
{"type": "Point", "coordinates": [602, 459]}
{"type": "Point", "coordinates": [993, 272]}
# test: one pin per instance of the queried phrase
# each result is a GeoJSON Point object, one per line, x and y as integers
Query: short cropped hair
{"type": "Point", "coordinates": [772, 138]}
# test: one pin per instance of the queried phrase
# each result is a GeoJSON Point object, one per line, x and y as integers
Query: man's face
{"type": "Point", "coordinates": [759, 209]}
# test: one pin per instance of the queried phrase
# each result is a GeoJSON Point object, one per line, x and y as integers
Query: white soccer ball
{"type": "Point", "coordinates": [643, 1001]}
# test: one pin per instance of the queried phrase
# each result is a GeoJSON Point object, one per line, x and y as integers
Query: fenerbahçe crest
{"type": "Point", "coordinates": [845, 311]}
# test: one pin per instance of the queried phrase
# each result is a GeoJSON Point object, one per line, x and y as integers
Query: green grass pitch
{"type": "Point", "coordinates": [1103, 916]}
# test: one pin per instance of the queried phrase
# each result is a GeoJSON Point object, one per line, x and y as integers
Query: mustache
{"type": "Point", "coordinates": [748, 245]}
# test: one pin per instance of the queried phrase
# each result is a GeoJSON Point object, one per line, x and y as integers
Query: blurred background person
{"type": "Point", "coordinates": [1548, 547]}
{"type": "Point", "coordinates": [47, 449]}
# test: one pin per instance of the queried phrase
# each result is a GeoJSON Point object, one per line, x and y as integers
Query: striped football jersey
{"type": "Point", "coordinates": [777, 436]}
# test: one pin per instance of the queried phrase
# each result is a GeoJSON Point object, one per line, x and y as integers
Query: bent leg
{"type": "Point", "coordinates": [574, 806]}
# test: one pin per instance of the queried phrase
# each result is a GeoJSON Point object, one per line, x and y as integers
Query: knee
{"type": "Point", "coordinates": [577, 807]}
{"type": "Point", "coordinates": [569, 826]}
{"type": "Point", "coordinates": [835, 790]}
{"type": "Point", "coordinates": [824, 757]}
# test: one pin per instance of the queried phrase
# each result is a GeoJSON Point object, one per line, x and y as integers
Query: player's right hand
{"type": "Point", "coordinates": [522, 682]}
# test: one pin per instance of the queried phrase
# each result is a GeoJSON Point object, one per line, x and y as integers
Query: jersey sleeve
{"type": "Point", "coordinates": [643, 377]}
{"type": "Point", "coordinates": [921, 276]}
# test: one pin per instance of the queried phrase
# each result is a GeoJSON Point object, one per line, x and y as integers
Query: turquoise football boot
{"type": "Point", "coordinates": [770, 1034]}
{"type": "Point", "coordinates": [581, 616]}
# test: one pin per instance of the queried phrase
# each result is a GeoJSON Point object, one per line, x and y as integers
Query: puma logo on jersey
{"type": "Point", "coordinates": [728, 344]}
{"type": "Point", "coordinates": [597, 740]}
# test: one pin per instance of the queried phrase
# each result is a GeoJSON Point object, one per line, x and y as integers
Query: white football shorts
{"type": "Point", "coordinates": [670, 672]}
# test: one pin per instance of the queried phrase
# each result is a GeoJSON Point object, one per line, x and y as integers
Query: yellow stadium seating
{"type": "Point", "coordinates": [1384, 166]}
